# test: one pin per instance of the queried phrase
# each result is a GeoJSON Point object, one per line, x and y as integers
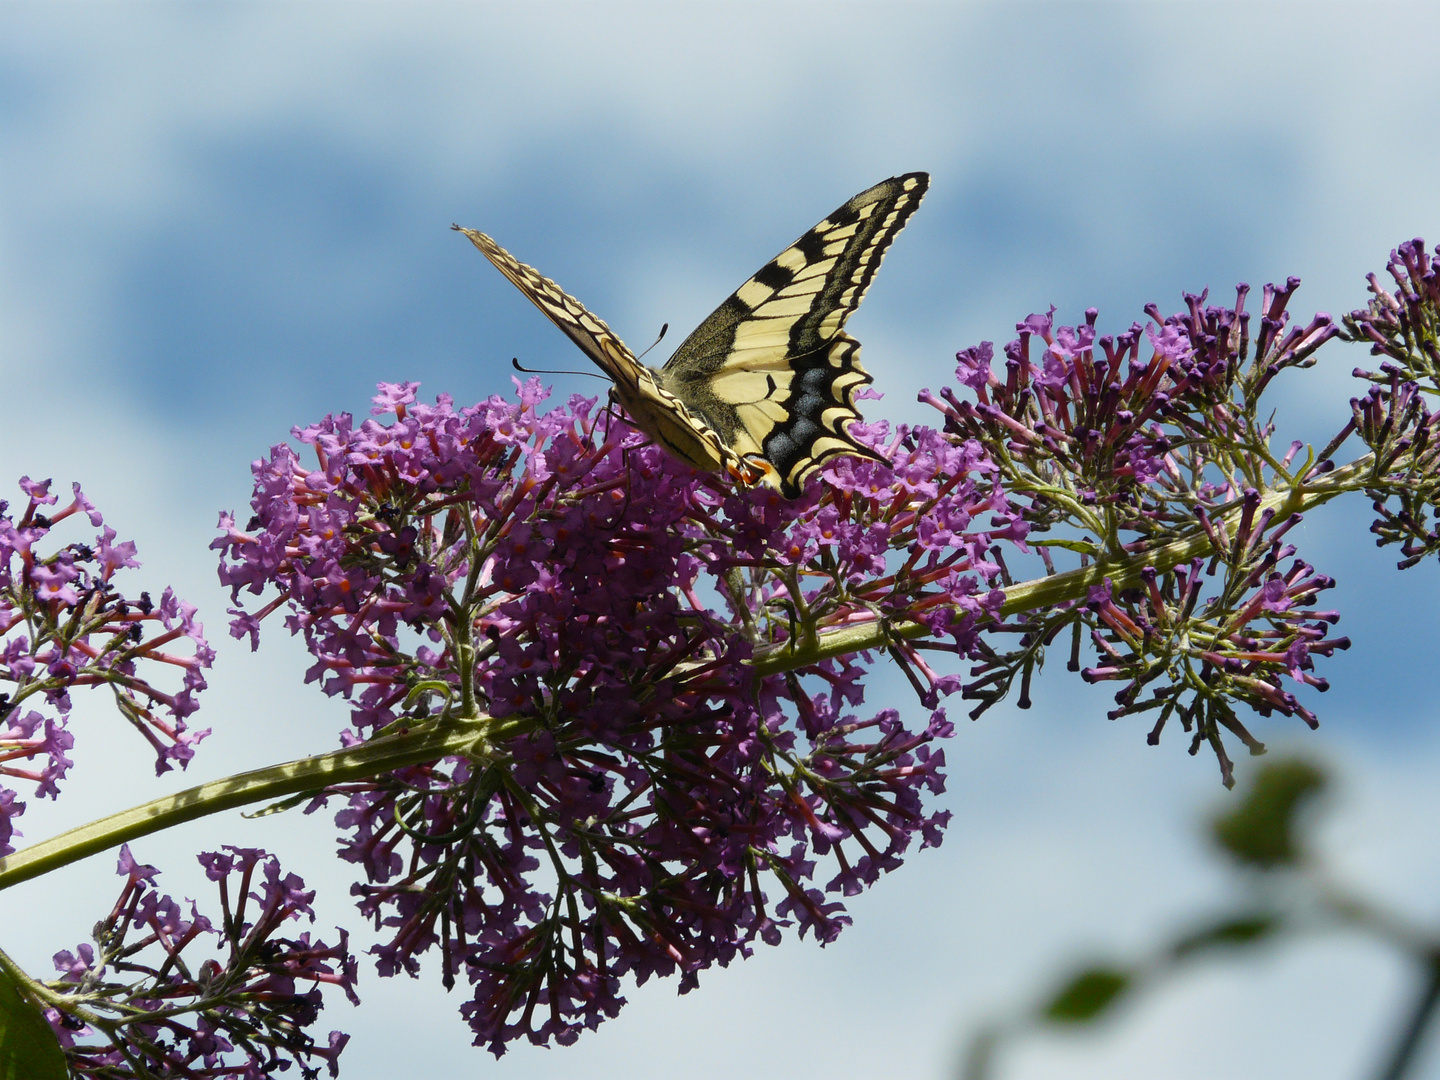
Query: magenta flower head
{"type": "Point", "coordinates": [670, 758]}
{"type": "Point", "coordinates": [1143, 462]}
{"type": "Point", "coordinates": [64, 624]}
{"type": "Point", "coordinates": [156, 1008]}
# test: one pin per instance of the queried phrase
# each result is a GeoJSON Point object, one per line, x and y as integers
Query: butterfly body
{"type": "Point", "coordinates": [764, 388]}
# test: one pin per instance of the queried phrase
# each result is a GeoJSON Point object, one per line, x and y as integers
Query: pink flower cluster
{"type": "Point", "coordinates": [238, 1015]}
{"type": "Point", "coordinates": [63, 624]}
{"type": "Point", "coordinates": [1123, 455]}
{"type": "Point", "coordinates": [642, 799]}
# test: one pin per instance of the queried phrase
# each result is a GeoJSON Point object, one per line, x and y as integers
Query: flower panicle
{"type": "Point", "coordinates": [1402, 326]}
{"type": "Point", "coordinates": [65, 624]}
{"type": "Point", "coordinates": [643, 800]}
{"type": "Point", "coordinates": [1178, 654]}
{"type": "Point", "coordinates": [1122, 452]}
{"type": "Point", "coordinates": [1090, 433]}
{"type": "Point", "coordinates": [1393, 419]}
{"type": "Point", "coordinates": [139, 1002]}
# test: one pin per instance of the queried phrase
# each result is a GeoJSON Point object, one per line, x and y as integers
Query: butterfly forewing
{"type": "Point", "coordinates": [654, 410]}
{"type": "Point", "coordinates": [585, 329]}
{"type": "Point", "coordinates": [765, 387]}
{"type": "Point", "coordinates": [772, 370]}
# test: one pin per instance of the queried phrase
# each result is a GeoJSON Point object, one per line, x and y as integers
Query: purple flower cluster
{"type": "Point", "coordinates": [1404, 326]}
{"type": "Point", "coordinates": [1197, 658]}
{"type": "Point", "coordinates": [661, 677]}
{"type": "Point", "coordinates": [1128, 456]}
{"type": "Point", "coordinates": [63, 625]}
{"type": "Point", "coordinates": [1393, 419]}
{"type": "Point", "coordinates": [1092, 433]}
{"type": "Point", "coordinates": [659, 680]}
{"type": "Point", "coordinates": [241, 1015]}
{"type": "Point", "coordinates": [664, 749]}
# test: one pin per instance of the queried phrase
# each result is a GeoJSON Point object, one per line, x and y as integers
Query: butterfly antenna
{"type": "Point", "coordinates": [551, 371]}
{"type": "Point", "coordinates": [658, 337]}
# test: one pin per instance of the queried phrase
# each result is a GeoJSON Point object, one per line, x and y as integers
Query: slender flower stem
{"type": "Point", "coordinates": [380, 755]}
{"type": "Point", "coordinates": [1042, 593]}
{"type": "Point", "coordinates": [1421, 1015]}
{"type": "Point", "coordinates": [33, 987]}
{"type": "Point", "coordinates": [391, 752]}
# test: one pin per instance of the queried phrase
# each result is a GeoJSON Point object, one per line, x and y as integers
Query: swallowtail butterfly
{"type": "Point", "coordinates": [764, 388]}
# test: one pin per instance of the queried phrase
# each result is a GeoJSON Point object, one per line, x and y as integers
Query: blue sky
{"type": "Point", "coordinates": [220, 221]}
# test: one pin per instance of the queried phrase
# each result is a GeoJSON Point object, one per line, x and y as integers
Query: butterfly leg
{"type": "Point", "coordinates": [625, 503]}
{"type": "Point", "coordinates": [610, 414]}
{"type": "Point", "coordinates": [619, 516]}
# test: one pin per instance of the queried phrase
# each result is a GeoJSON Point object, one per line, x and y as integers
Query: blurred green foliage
{"type": "Point", "coordinates": [1267, 831]}
{"type": "Point", "coordinates": [1087, 995]}
{"type": "Point", "coordinates": [1262, 830]}
{"type": "Point", "coordinates": [1239, 931]}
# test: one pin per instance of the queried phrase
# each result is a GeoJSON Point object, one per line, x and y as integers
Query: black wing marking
{"type": "Point", "coordinates": [772, 370]}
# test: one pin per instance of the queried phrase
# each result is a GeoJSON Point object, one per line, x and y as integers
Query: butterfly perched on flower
{"type": "Point", "coordinates": [763, 389]}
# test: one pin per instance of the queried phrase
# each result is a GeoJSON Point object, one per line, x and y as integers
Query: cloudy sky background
{"type": "Point", "coordinates": [220, 221]}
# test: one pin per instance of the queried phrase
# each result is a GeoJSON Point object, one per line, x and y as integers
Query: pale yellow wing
{"type": "Point", "coordinates": [596, 340]}
{"type": "Point", "coordinates": [654, 410]}
{"type": "Point", "coordinates": [772, 370]}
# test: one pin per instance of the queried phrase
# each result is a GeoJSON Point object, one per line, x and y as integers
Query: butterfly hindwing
{"type": "Point", "coordinates": [772, 370]}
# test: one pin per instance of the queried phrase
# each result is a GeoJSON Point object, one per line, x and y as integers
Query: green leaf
{"type": "Point", "coordinates": [1080, 547]}
{"type": "Point", "coordinates": [1087, 996]}
{"type": "Point", "coordinates": [281, 805]}
{"type": "Point", "coordinates": [1262, 830]}
{"type": "Point", "coordinates": [28, 1048]}
{"type": "Point", "coordinates": [1233, 933]}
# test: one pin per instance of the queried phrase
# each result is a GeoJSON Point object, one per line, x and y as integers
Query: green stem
{"type": "Point", "coordinates": [1402, 1056]}
{"type": "Point", "coordinates": [1124, 573]}
{"type": "Point", "coordinates": [32, 988]}
{"type": "Point", "coordinates": [390, 752]}
{"type": "Point", "coordinates": [369, 759]}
